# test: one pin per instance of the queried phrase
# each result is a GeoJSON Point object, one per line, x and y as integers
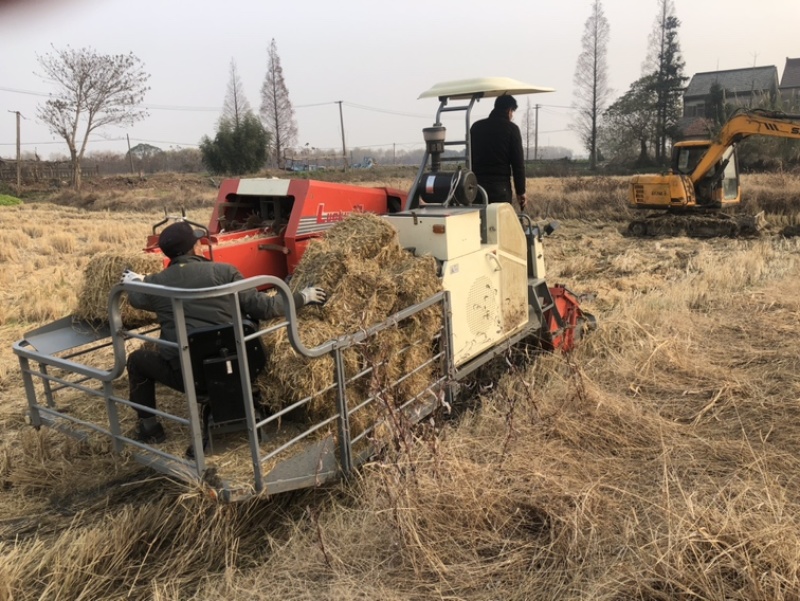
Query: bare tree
{"type": "Point", "coordinates": [93, 90]}
{"type": "Point", "coordinates": [277, 113]}
{"type": "Point", "coordinates": [591, 80]}
{"type": "Point", "coordinates": [236, 104]}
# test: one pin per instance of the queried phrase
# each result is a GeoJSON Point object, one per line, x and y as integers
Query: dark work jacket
{"type": "Point", "coordinates": [497, 151]}
{"type": "Point", "coordinates": [191, 271]}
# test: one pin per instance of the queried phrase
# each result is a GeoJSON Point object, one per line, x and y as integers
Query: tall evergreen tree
{"type": "Point", "coordinates": [665, 64]}
{"type": "Point", "coordinates": [240, 145]}
{"type": "Point", "coordinates": [277, 113]}
{"type": "Point", "coordinates": [236, 149]}
{"type": "Point", "coordinates": [236, 105]}
{"type": "Point", "coordinates": [591, 80]}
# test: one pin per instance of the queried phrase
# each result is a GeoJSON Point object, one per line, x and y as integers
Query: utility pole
{"type": "Point", "coordinates": [536, 134]}
{"type": "Point", "coordinates": [130, 156]}
{"type": "Point", "coordinates": [341, 122]}
{"type": "Point", "coordinates": [19, 155]}
{"type": "Point", "coordinates": [527, 129]}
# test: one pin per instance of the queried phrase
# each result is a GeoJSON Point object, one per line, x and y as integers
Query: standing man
{"type": "Point", "coordinates": [497, 153]}
{"type": "Point", "coordinates": [188, 268]}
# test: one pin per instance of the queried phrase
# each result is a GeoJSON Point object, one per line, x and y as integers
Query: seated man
{"type": "Point", "coordinates": [188, 269]}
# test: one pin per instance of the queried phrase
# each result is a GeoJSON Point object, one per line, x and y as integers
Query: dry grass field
{"type": "Point", "coordinates": [659, 461]}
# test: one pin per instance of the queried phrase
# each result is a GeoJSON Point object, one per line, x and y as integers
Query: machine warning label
{"type": "Point", "coordinates": [454, 268]}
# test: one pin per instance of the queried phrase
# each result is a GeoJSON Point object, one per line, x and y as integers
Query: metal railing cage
{"type": "Point", "coordinates": [366, 405]}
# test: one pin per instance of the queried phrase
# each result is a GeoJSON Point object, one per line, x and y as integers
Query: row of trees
{"type": "Point", "coordinates": [93, 90]}
{"type": "Point", "coordinates": [243, 140]}
{"type": "Point", "coordinates": [640, 123]}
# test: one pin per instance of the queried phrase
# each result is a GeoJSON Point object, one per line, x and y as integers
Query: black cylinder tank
{"type": "Point", "coordinates": [436, 187]}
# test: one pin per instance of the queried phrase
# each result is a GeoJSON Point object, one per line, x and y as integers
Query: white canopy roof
{"type": "Point", "coordinates": [487, 86]}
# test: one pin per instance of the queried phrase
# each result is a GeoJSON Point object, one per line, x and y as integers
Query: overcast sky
{"type": "Point", "coordinates": [376, 56]}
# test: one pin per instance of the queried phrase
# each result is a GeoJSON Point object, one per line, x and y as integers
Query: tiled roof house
{"type": "Point", "coordinates": [740, 87]}
{"type": "Point", "coordinates": [790, 84]}
{"type": "Point", "coordinates": [747, 87]}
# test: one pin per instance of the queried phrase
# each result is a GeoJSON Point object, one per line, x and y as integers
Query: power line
{"type": "Point", "coordinates": [17, 91]}
{"type": "Point", "coordinates": [186, 108]}
{"type": "Point", "coordinates": [558, 106]}
{"type": "Point", "coordinates": [387, 111]}
{"type": "Point", "coordinates": [304, 106]}
{"type": "Point", "coordinates": [155, 107]}
{"type": "Point", "coordinates": [189, 108]}
{"type": "Point", "coordinates": [165, 107]}
{"type": "Point", "coordinates": [98, 140]}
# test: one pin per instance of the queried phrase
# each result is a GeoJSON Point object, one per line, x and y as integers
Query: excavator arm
{"type": "Point", "coordinates": [753, 122]}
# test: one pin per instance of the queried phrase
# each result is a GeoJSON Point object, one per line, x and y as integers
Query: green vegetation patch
{"type": "Point", "coordinates": [9, 201]}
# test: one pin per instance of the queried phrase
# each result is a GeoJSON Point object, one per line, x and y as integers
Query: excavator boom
{"type": "Point", "coordinates": [754, 122]}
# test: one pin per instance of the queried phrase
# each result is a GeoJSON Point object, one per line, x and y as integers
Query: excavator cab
{"type": "Point", "coordinates": [720, 185]}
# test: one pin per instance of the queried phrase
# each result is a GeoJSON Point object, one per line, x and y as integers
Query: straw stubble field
{"type": "Point", "coordinates": [658, 461]}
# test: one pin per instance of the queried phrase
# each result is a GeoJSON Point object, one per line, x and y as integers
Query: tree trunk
{"type": "Point", "coordinates": [76, 175]}
{"type": "Point", "coordinates": [643, 160]}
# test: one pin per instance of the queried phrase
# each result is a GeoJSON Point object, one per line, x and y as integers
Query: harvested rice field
{"type": "Point", "coordinates": [657, 461]}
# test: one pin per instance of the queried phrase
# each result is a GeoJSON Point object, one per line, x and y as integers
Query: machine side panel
{"type": "Point", "coordinates": [474, 285]}
{"type": "Point", "coordinates": [513, 255]}
{"type": "Point", "coordinates": [443, 233]}
{"type": "Point", "coordinates": [318, 206]}
{"type": "Point", "coordinates": [254, 256]}
{"type": "Point", "coordinates": [503, 229]}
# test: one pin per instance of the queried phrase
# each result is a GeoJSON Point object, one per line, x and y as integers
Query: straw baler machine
{"type": "Point", "coordinates": [262, 226]}
{"type": "Point", "coordinates": [490, 261]}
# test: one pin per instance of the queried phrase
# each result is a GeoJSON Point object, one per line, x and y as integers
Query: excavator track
{"type": "Point", "coordinates": [696, 225]}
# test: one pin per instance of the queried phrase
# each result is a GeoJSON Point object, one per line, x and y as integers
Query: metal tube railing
{"type": "Point", "coordinates": [169, 463]}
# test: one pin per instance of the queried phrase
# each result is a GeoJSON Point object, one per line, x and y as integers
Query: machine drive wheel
{"type": "Point", "coordinates": [637, 229]}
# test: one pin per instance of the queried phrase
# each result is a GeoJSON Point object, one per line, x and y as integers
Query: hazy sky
{"type": "Point", "coordinates": [376, 56]}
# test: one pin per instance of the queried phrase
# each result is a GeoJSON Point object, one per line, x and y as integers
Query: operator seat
{"type": "Point", "coordinates": [217, 382]}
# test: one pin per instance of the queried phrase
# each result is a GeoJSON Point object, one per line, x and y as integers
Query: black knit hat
{"type": "Point", "coordinates": [178, 239]}
{"type": "Point", "coordinates": [505, 102]}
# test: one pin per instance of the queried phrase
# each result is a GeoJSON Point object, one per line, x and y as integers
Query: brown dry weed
{"type": "Point", "coordinates": [658, 461]}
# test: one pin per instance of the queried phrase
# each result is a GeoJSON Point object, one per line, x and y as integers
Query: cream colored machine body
{"type": "Point", "coordinates": [483, 267]}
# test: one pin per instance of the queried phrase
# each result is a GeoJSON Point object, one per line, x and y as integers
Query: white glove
{"type": "Point", "coordinates": [314, 296]}
{"type": "Point", "coordinates": [130, 276]}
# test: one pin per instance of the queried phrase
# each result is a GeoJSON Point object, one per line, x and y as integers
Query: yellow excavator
{"type": "Point", "coordinates": [704, 179]}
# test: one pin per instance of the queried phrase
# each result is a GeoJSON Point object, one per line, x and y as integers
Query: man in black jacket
{"type": "Point", "coordinates": [188, 268]}
{"type": "Point", "coordinates": [497, 153]}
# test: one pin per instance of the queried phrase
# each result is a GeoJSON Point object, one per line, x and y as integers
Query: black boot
{"type": "Point", "coordinates": [149, 431]}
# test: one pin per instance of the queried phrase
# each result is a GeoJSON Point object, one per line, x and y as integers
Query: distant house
{"type": "Point", "coordinates": [790, 84]}
{"type": "Point", "coordinates": [740, 87]}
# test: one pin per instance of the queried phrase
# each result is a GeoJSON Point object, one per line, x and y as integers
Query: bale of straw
{"type": "Point", "coordinates": [363, 235]}
{"type": "Point", "coordinates": [368, 276]}
{"type": "Point", "coordinates": [101, 274]}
